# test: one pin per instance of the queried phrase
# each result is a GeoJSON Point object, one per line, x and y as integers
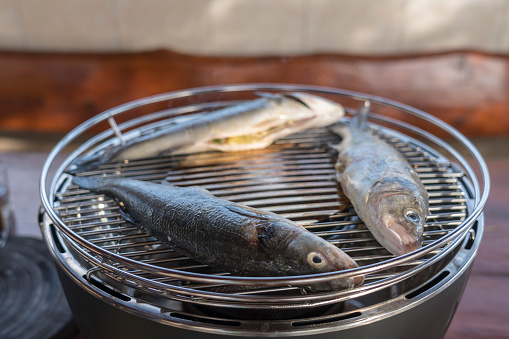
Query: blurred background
{"type": "Point", "coordinates": [73, 59]}
{"type": "Point", "coordinates": [255, 28]}
{"type": "Point", "coordinates": [64, 61]}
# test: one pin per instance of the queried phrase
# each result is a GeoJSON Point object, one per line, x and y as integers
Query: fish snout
{"type": "Point", "coordinates": [347, 283]}
{"type": "Point", "coordinates": [345, 262]}
{"type": "Point", "coordinates": [338, 284]}
{"type": "Point", "coordinates": [401, 241]}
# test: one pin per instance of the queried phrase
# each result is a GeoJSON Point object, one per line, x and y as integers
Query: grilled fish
{"type": "Point", "coordinates": [385, 191]}
{"type": "Point", "coordinates": [251, 125]}
{"type": "Point", "coordinates": [226, 235]}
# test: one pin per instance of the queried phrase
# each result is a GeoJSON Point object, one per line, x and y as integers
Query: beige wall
{"type": "Point", "coordinates": [255, 27]}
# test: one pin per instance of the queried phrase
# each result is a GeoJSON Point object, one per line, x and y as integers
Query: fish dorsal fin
{"type": "Point", "coordinates": [166, 182]}
{"type": "Point", "coordinates": [271, 96]}
{"type": "Point", "coordinates": [359, 120]}
{"type": "Point", "coordinates": [297, 98]}
{"type": "Point", "coordinates": [294, 96]}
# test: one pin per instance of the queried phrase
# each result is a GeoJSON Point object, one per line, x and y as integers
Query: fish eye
{"type": "Point", "coordinates": [412, 216]}
{"type": "Point", "coordinates": [316, 259]}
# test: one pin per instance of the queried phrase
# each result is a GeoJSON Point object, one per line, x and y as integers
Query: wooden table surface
{"type": "Point", "coordinates": [484, 309]}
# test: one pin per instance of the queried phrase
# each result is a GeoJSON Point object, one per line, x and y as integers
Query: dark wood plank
{"type": "Point", "coordinates": [55, 92]}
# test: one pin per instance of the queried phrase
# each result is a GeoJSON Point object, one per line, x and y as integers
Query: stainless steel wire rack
{"type": "Point", "coordinates": [294, 177]}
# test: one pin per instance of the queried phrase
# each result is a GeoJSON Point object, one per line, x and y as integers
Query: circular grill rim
{"type": "Point", "coordinates": [480, 198]}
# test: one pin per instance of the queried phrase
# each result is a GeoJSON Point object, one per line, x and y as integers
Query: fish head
{"type": "Point", "coordinates": [398, 212]}
{"type": "Point", "coordinates": [325, 111]}
{"type": "Point", "coordinates": [315, 255]}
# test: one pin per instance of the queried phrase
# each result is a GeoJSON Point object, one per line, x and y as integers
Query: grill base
{"type": "Point", "coordinates": [121, 282]}
{"type": "Point", "coordinates": [429, 319]}
{"type": "Point", "coordinates": [426, 312]}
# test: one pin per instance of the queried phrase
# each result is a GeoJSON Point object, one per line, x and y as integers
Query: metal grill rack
{"type": "Point", "coordinates": [295, 178]}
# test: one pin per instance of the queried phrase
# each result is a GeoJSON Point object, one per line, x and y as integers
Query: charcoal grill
{"type": "Point", "coordinates": [118, 279]}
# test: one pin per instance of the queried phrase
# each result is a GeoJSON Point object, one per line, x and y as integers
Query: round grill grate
{"type": "Point", "coordinates": [295, 178]}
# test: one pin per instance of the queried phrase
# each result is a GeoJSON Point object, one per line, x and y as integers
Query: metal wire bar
{"type": "Point", "coordinates": [421, 158]}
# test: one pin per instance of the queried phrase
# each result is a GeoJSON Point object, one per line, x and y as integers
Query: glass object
{"type": "Point", "coordinates": [5, 205]}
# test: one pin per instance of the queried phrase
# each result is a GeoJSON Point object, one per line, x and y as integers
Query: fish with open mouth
{"type": "Point", "coordinates": [383, 188]}
{"type": "Point", "coordinates": [223, 234]}
{"type": "Point", "coordinates": [253, 124]}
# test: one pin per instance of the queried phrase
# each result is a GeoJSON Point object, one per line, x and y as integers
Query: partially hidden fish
{"type": "Point", "coordinates": [384, 189]}
{"type": "Point", "coordinates": [254, 124]}
{"type": "Point", "coordinates": [223, 234]}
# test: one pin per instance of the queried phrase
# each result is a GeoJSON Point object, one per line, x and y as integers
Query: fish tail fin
{"type": "Point", "coordinates": [340, 129]}
{"type": "Point", "coordinates": [91, 162]}
{"type": "Point", "coordinates": [359, 119]}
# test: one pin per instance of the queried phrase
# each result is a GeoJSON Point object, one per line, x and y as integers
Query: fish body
{"type": "Point", "coordinates": [254, 124]}
{"type": "Point", "coordinates": [385, 191]}
{"type": "Point", "coordinates": [226, 235]}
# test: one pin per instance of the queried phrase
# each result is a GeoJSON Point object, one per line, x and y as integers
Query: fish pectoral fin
{"type": "Point", "coordinates": [127, 217]}
{"type": "Point", "coordinates": [244, 211]}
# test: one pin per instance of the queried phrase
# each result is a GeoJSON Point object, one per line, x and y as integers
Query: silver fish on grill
{"type": "Point", "coordinates": [223, 234]}
{"type": "Point", "coordinates": [385, 191]}
{"type": "Point", "coordinates": [254, 124]}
